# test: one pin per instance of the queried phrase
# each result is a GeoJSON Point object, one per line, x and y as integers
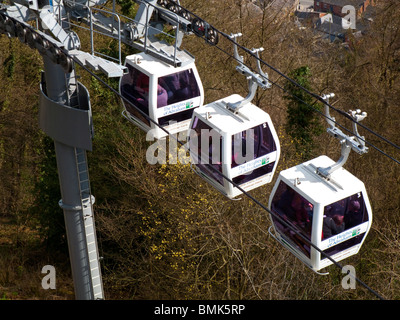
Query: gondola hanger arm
{"type": "Point", "coordinates": [255, 79]}
{"type": "Point", "coordinates": [347, 142]}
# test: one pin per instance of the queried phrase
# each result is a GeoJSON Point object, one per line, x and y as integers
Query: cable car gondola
{"type": "Point", "coordinates": [242, 146]}
{"type": "Point", "coordinates": [335, 215]}
{"type": "Point", "coordinates": [321, 203]}
{"type": "Point", "coordinates": [233, 138]}
{"type": "Point", "coordinates": [164, 93]}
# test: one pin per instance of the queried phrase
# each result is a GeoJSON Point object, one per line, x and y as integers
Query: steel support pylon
{"type": "Point", "coordinates": [71, 129]}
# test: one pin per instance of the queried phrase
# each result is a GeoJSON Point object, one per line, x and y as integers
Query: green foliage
{"type": "Point", "coordinates": [47, 194]}
{"type": "Point", "coordinates": [302, 121]}
{"type": "Point", "coordinates": [127, 7]}
{"type": "Point", "coordinates": [9, 65]}
{"type": "Point", "coordinates": [9, 62]}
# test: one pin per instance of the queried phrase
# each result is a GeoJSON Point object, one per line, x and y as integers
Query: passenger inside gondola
{"type": "Point", "coordinates": [135, 88]}
{"type": "Point", "coordinates": [179, 86]}
{"type": "Point", "coordinates": [301, 207]}
{"type": "Point", "coordinates": [142, 87]}
{"type": "Point", "coordinates": [354, 214]}
{"type": "Point", "coordinates": [255, 143]}
{"type": "Point", "coordinates": [242, 149]}
{"type": "Point", "coordinates": [297, 212]}
{"type": "Point", "coordinates": [342, 215]}
{"type": "Point", "coordinates": [351, 213]}
{"type": "Point", "coordinates": [332, 224]}
{"type": "Point", "coordinates": [206, 150]}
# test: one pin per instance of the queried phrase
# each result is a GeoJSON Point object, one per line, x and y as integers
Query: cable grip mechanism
{"type": "Point", "coordinates": [255, 80]}
{"type": "Point", "coordinates": [348, 143]}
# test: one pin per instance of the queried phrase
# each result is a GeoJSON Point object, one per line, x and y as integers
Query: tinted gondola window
{"type": "Point", "coordinates": [175, 88]}
{"type": "Point", "coordinates": [261, 139]}
{"type": "Point", "coordinates": [340, 221]}
{"type": "Point", "coordinates": [135, 88]}
{"type": "Point", "coordinates": [206, 149]}
{"type": "Point", "coordinates": [261, 143]}
{"type": "Point", "coordinates": [178, 87]}
{"type": "Point", "coordinates": [266, 142]}
{"type": "Point", "coordinates": [297, 212]}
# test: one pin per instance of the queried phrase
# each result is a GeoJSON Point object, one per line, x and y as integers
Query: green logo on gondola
{"type": "Point", "coordinates": [356, 232]}
{"type": "Point", "coordinates": [265, 161]}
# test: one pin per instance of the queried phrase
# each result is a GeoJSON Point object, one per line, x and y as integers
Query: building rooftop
{"type": "Point", "coordinates": [331, 24]}
{"type": "Point", "coordinates": [342, 3]}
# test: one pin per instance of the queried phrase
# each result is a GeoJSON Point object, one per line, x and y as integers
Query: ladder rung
{"type": "Point", "coordinates": [82, 182]}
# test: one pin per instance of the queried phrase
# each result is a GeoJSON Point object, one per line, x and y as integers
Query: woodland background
{"type": "Point", "coordinates": [164, 233]}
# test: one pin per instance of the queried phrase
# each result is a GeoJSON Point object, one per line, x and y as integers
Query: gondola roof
{"type": "Point", "coordinates": [151, 65]}
{"type": "Point", "coordinates": [226, 121]}
{"type": "Point", "coordinates": [318, 189]}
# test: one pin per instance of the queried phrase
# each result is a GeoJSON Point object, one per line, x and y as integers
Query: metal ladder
{"type": "Point", "coordinates": [87, 201]}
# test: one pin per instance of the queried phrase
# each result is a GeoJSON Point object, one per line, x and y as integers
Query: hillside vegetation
{"type": "Point", "coordinates": [163, 232]}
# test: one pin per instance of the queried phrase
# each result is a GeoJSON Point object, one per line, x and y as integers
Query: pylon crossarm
{"type": "Point", "coordinates": [60, 51]}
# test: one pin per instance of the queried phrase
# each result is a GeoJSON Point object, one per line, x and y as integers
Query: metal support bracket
{"type": "Point", "coordinates": [71, 126]}
{"type": "Point", "coordinates": [255, 80]}
{"type": "Point", "coordinates": [345, 151]}
{"type": "Point", "coordinates": [348, 143]}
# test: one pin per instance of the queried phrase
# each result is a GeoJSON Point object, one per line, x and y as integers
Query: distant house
{"type": "Point", "coordinates": [333, 26]}
{"type": "Point", "coordinates": [336, 6]}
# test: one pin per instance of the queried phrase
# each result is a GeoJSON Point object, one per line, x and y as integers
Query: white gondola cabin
{"type": "Point", "coordinates": [333, 214]}
{"type": "Point", "coordinates": [242, 145]}
{"type": "Point", "coordinates": [164, 93]}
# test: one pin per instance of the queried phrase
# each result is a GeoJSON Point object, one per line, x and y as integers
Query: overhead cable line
{"type": "Point", "coordinates": [317, 97]}
{"type": "Point", "coordinates": [319, 111]}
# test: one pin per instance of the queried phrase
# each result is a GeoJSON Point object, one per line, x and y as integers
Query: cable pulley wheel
{"type": "Point", "coordinates": [212, 36]}
{"type": "Point", "coordinates": [66, 63]}
{"type": "Point", "coordinates": [198, 27]}
{"type": "Point", "coordinates": [173, 7]}
{"type": "Point", "coordinates": [54, 54]}
{"type": "Point", "coordinates": [43, 45]}
{"type": "Point", "coordinates": [3, 20]}
{"type": "Point", "coordinates": [184, 14]}
{"type": "Point", "coordinates": [9, 27]}
{"type": "Point", "coordinates": [20, 32]}
{"type": "Point", "coordinates": [31, 38]}
{"type": "Point", "coordinates": [163, 3]}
